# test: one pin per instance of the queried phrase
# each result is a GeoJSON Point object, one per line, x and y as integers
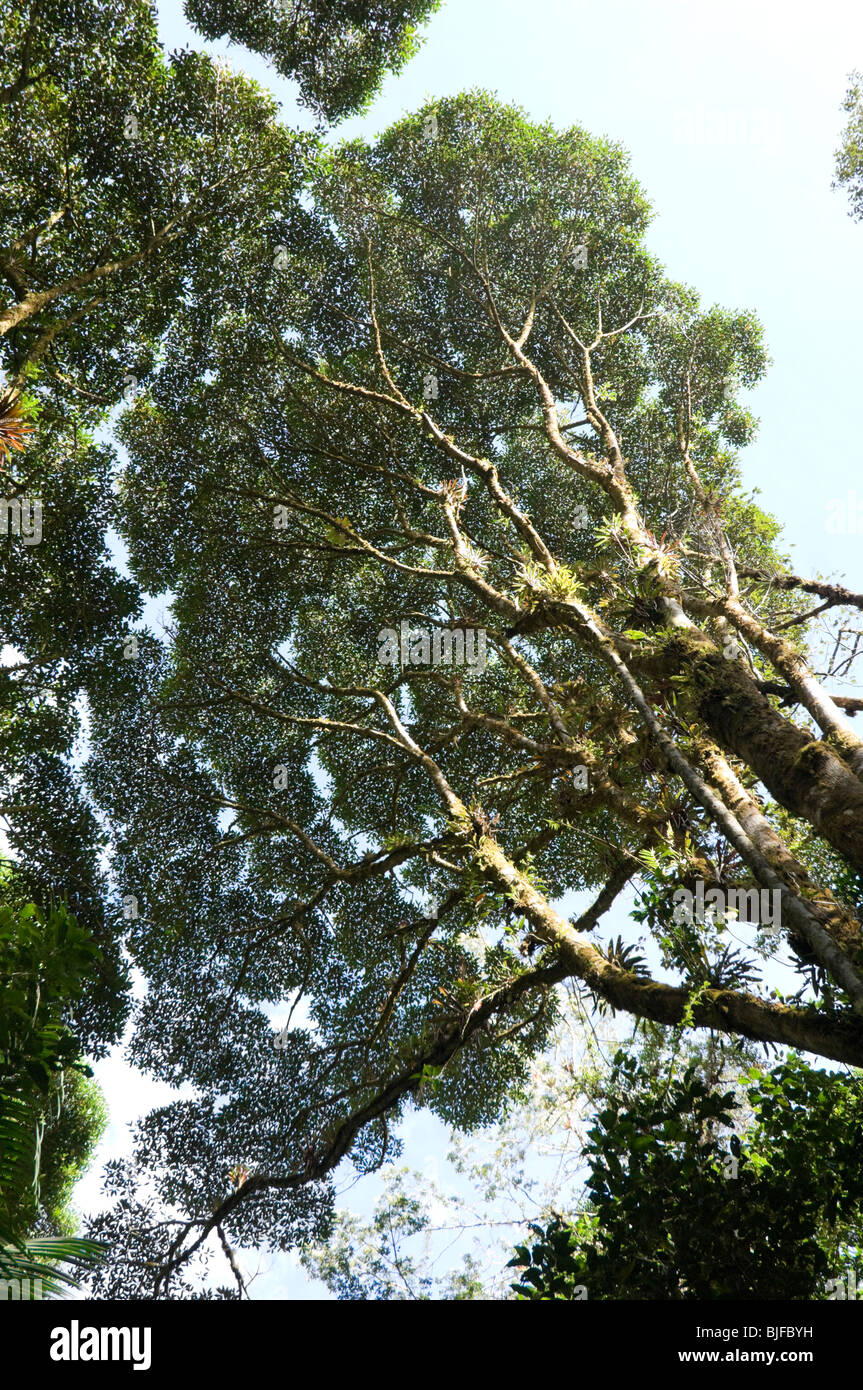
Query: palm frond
{"type": "Point", "coordinates": [40, 1261]}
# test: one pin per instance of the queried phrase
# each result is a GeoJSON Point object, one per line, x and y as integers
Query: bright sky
{"type": "Point", "coordinates": [731, 114]}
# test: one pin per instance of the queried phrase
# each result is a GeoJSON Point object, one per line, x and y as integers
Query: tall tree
{"type": "Point", "coordinates": [128, 177]}
{"type": "Point", "coordinates": [466, 398]}
{"type": "Point", "coordinates": [131, 182]}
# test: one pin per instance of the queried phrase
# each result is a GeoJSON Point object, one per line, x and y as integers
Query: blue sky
{"type": "Point", "coordinates": [731, 114]}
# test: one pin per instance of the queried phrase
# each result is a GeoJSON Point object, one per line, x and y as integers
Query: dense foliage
{"type": "Point", "coordinates": [359, 394]}
{"type": "Point", "coordinates": [687, 1202]}
{"type": "Point", "coordinates": [337, 52]}
{"type": "Point", "coordinates": [45, 963]}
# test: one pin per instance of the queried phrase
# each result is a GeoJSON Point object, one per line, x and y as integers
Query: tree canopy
{"type": "Point", "coordinates": [475, 631]}
{"type": "Point", "coordinates": [431, 413]}
{"type": "Point", "coordinates": [126, 175]}
{"type": "Point", "coordinates": [338, 51]}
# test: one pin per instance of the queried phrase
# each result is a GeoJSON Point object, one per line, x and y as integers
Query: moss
{"type": "Point", "coordinates": [814, 756]}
